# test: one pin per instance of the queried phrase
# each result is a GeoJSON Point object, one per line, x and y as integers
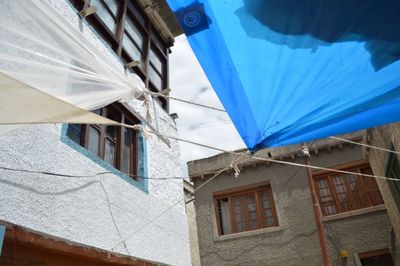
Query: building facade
{"type": "Point", "coordinates": [387, 164]}
{"type": "Point", "coordinates": [75, 194]}
{"type": "Point", "coordinates": [265, 215]}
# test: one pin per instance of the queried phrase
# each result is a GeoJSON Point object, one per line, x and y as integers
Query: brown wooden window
{"type": "Point", "coordinates": [115, 145]}
{"type": "Point", "coordinates": [128, 31]}
{"type": "Point", "coordinates": [245, 209]}
{"type": "Point", "coordinates": [377, 257]}
{"type": "Point", "coordinates": [339, 193]}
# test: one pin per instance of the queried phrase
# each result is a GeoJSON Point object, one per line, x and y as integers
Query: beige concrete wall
{"type": "Point", "coordinates": [383, 137]}
{"type": "Point", "coordinates": [193, 238]}
{"type": "Point", "coordinates": [295, 240]}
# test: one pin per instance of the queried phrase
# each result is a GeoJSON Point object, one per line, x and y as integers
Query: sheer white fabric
{"type": "Point", "coordinates": [51, 71]}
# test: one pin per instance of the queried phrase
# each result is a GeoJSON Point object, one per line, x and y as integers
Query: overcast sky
{"type": "Point", "coordinates": [188, 81]}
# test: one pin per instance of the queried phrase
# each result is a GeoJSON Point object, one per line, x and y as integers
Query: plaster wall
{"type": "Point", "coordinates": [96, 210]}
{"type": "Point", "coordinates": [385, 136]}
{"type": "Point", "coordinates": [295, 240]}
{"type": "Point", "coordinates": [193, 237]}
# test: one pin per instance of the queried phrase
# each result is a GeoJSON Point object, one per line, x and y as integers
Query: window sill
{"type": "Point", "coordinates": [353, 213]}
{"type": "Point", "coordinates": [249, 233]}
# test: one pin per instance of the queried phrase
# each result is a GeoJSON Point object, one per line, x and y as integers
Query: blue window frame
{"type": "Point", "coordinates": [118, 149]}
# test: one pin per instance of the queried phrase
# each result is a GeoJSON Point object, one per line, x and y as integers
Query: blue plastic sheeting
{"type": "Point", "coordinates": [289, 71]}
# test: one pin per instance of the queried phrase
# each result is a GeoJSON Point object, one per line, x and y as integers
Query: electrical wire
{"type": "Point", "coordinates": [88, 176]}
{"type": "Point", "coordinates": [168, 209]}
{"type": "Point", "coordinates": [98, 174]}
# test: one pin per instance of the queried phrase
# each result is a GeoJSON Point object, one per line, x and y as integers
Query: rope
{"type": "Point", "coordinates": [365, 145]}
{"type": "Point", "coordinates": [248, 155]}
{"type": "Point", "coordinates": [186, 101]}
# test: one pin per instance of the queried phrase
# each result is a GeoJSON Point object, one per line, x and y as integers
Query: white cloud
{"type": "Point", "coordinates": [198, 124]}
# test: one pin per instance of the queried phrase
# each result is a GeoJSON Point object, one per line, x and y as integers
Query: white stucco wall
{"type": "Point", "coordinates": [101, 210]}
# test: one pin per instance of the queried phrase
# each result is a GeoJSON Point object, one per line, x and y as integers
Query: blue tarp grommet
{"type": "Point", "coordinates": [193, 18]}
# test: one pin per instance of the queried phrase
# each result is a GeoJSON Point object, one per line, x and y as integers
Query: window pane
{"type": "Point", "coordinates": [357, 191]}
{"type": "Point", "coordinates": [155, 78]}
{"type": "Point", "coordinates": [372, 187]}
{"type": "Point", "coordinates": [327, 204]}
{"type": "Point", "coordinates": [74, 132]}
{"type": "Point", "coordinates": [225, 216]}
{"type": "Point", "coordinates": [267, 209]}
{"type": "Point", "coordinates": [126, 152]}
{"type": "Point", "coordinates": [251, 211]}
{"type": "Point", "coordinates": [134, 32]}
{"type": "Point", "coordinates": [342, 193]}
{"type": "Point", "coordinates": [141, 154]}
{"type": "Point", "coordinates": [131, 48]}
{"type": "Point", "coordinates": [105, 15]}
{"type": "Point", "coordinates": [248, 210]}
{"type": "Point", "coordinates": [109, 151]}
{"type": "Point", "coordinates": [97, 111]}
{"type": "Point", "coordinates": [111, 131]}
{"type": "Point", "coordinates": [238, 214]}
{"type": "Point", "coordinates": [155, 60]}
{"type": "Point", "coordinates": [94, 139]}
{"type": "Point", "coordinates": [113, 6]}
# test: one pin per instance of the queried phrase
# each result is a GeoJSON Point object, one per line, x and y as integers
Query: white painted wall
{"type": "Point", "coordinates": [102, 210]}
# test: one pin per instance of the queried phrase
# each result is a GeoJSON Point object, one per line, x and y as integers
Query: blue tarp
{"type": "Point", "coordinates": [289, 71]}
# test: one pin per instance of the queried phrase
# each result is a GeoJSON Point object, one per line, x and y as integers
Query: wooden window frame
{"type": "Point", "coordinates": [151, 38]}
{"type": "Point", "coordinates": [124, 117]}
{"type": "Point", "coordinates": [375, 253]}
{"type": "Point", "coordinates": [368, 195]}
{"type": "Point", "coordinates": [243, 192]}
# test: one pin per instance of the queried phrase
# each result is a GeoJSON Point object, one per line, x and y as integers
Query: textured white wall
{"type": "Point", "coordinates": [99, 210]}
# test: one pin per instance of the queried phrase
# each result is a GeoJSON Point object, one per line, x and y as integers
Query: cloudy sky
{"type": "Point", "coordinates": [198, 124]}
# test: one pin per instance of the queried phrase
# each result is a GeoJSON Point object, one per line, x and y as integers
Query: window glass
{"type": "Point", "coordinates": [141, 154]}
{"type": "Point", "coordinates": [97, 111]}
{"type": "Point", "coordinates": [238, 214]}
{"type": "Point", "coordinates": [327, 202]}
{"type": "Point", "coordinates": [131, 48]}
{"type": "Point", "coordinates": [342, 194]}
{"type": "Point", "coordinates": [347, 192]}
{"type": "Point", "coordinates": [155, 60]}
{"type": "Point", "coordinates": [357, 191]}
{"type": "Point", "coordinates": [111, 131]}
{"type": "Point", "coordinates": [94, 139]}
{"type": "Point", "coordinates": [109, 151]}
{"type": "Point", "coordinates": [121, 147]}
{"type": "Point", "coordinates": [155, 78]}
{"type": "Point", "coordinates": [113, 6]}
{"type": "Point", "coordinates": [252, 209]}
{"type": "Point", "coordinates": [267, 209]}
{"type": "Point", "coordinates": [74, 132]}
{"type": "Point", "coordinates": [225, 216]}
{"type": "Point", "coordinates": [126, 159]}
{"type": "Point", "coordinates": [105, 14]}
{"type": "Point", "coordinates": [134, 32]}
